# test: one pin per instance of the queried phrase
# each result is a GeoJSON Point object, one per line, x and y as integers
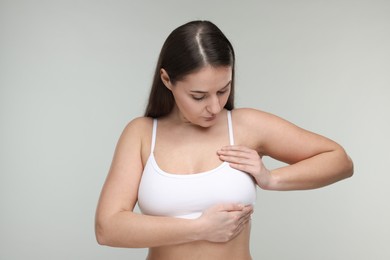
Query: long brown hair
{"type": "Point", "coordinates": [187, 49]}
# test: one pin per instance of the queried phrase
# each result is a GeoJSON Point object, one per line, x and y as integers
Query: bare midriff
{"type": "Point", "coordinates": [237, 248]}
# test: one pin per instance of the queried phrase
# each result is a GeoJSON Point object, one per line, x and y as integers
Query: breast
{"type": "Point", "coordinates": [187, 196]}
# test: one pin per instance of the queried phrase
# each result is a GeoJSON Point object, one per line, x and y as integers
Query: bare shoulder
{"type": "Point", "coordinates": [139, 124]}
{"type": "Point", "coordinates": [244, 124]}
{"type": "Point", "coordinates": [253, 127]}
{"type": "Point", "coordinates": [255, 120]}
{"type": "Point", "coordinates": [134, 136]}
{"type": "Point", "coordinates": [138, 128]}
{"type": "Point", "coordinates": [137, 135]}
{"type": "Point", "coordinates": [247, 115]}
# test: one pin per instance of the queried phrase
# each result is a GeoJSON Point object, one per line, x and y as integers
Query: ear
{"type": "Point", "coordinates": [165, 78]}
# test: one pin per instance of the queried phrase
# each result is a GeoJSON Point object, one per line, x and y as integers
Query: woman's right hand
{"type": "Point", "coordinates": [221, 223]}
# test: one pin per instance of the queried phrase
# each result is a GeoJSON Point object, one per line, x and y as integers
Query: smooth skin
{"type": "Point", "coordinates": [195, 134]}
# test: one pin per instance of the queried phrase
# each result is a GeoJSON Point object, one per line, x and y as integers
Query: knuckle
{"type": "Point", "coordinates": [236, 218]}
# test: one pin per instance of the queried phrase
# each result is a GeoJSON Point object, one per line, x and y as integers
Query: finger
{"type": "Point", "coordinates": [237, 231]}
{"type": "Point", "coordinates": [238, 157]}
{"type": "Point", "coordinates": [240, 227]}
{"type": "Point", "coordinates": [245, 214]}
{"type": "Point", "coordinates": [249, 208]}
{"type": "Point", "coordinates": [237, 153]}
{"type": "Point", "coordinates": [236, 160]}
{"type": "Point", "coordinates": [244, 160]}
{"type": "Point", "coordinates": [241, 167]}
{"type": "Point", "coordinates": [251, 154]}
{"type": "Point", "coordinates": [231, 207]}
{"type": "Point", "coordinates": [235, 156]}
{"type": "Point", "coordinates": [246, 219]}
{"type": "Point", "coordinates": [235, 148]}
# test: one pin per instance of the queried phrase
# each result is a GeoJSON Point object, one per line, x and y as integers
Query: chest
{"type": "Point", "coordinates": [187, 196]}
{"type": "Point", "coordinates": [188, 154]}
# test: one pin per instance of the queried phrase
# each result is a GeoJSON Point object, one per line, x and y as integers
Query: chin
{"type": "Point", "coordinates": [202, 122]}
{"type": "Point", "coordinates": [206, 123]}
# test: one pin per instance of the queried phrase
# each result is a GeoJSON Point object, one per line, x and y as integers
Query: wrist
{"type": "Point", "coordinates": [265, 179]}
{"type": "Point", "coordinates": [196, 230]}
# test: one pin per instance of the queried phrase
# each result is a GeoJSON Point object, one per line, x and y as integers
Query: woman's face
{"type": "Point", "coordinates": [201, 95]}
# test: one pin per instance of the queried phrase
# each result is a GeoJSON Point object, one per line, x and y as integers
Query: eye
{"type": "Point", "coordinates": [198, 98]}
{"type": "Point", "coordinates": [220, 93]}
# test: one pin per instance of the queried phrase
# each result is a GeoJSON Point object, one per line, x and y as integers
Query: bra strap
{"type": "Point", "coordinates": [231, 137]}
{"type": "Point", "coordinates": [153, 135]}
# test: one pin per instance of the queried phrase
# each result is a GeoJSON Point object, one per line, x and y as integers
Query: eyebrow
{"type": "Point", "coordinates": [204, 92]}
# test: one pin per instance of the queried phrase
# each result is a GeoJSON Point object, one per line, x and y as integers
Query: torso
{"type": "Point", "coordinates": [193, 151]}
{"type": "Point", "coordinates": [237, 248]}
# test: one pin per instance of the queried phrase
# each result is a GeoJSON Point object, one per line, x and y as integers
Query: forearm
{"type": "Point", "coordinates": [315, 172]}
{"type": "Point", "coordinates": [132, 230]}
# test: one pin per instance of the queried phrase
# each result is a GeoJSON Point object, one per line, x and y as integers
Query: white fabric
{"type": "Point", "coordinates": [187, 196]}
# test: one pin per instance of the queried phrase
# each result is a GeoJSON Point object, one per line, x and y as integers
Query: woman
{"type": "Point", "coordinates": [193, 162]}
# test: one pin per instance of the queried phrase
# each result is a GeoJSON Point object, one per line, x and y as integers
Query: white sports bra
{"type": "Point", "coordinates": [187, 196]}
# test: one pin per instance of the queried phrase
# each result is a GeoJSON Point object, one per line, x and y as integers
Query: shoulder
{"type": "Point", "coordinates": [139, 125]}
{"type": "Point", "coordinates": [137, 130]}
{"type": "Point", "coordinates": [252, 127]}
{"type": "Point", "coordinates": [250, 116]}
{"type": "Point", "coordinates": [136, 138]}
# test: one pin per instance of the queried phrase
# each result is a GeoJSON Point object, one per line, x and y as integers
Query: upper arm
{"type": "Point", "coordinates": [120, 190]}
{"type": "Point", "coordinates": [275, 137]}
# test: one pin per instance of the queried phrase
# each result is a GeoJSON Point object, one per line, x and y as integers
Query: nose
{"type": "Point", "coordinates": [214, 107]}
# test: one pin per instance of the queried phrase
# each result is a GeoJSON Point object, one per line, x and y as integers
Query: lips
{"type": "Point", "coordinates": [210, 118]}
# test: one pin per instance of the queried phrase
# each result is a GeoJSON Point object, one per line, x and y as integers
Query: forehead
{"type": "Point", "coordinates": [208, 77]}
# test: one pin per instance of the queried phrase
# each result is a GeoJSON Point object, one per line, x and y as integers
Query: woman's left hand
{"type": "Point", "coordinates": [245, 159]}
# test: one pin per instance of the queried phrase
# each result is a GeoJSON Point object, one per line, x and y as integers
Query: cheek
{"type": "Point", "coordinates": [188, 105]}
{"type": "Point", "coordinates": [224, 99]}
{"type": "Point", "coordinates": [193, 106]}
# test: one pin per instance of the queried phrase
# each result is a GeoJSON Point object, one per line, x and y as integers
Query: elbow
{"type": "Point", "coordinates": [100, 239]}
{"type": "Point", "coordinates": [345, 163]}
{"type": "Point", "coordinates": [100, 234]}
{"type": "Point", "coordinates": [349, 169]}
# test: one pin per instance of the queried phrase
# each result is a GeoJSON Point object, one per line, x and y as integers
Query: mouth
{"type": "Point", "coordinates": [210, 118]}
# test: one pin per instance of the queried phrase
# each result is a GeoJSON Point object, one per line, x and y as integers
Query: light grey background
{"type": "Point", "coordinates": [73, 73]}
